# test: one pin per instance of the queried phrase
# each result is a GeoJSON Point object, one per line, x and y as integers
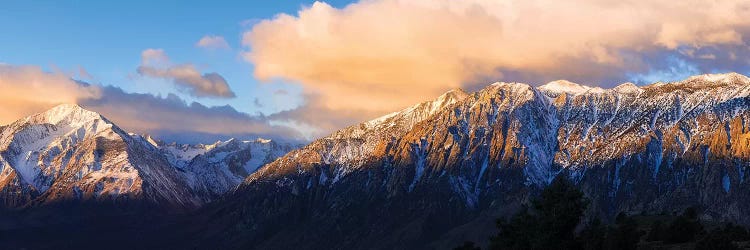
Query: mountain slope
{"type": "Point", "coordinates": [478, 156]}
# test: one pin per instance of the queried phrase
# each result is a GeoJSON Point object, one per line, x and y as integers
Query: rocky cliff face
{"type": "Point", "coordinates": [440, 168]}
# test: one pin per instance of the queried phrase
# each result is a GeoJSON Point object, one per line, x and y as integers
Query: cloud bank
{"type": "Point", "coordinates": [173, 119]}
{"type": "Point", "coordinates": [382, 55]}
{"type": "Point", "coordinates": [155, 63]}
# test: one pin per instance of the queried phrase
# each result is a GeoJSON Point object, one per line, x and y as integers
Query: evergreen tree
{"type": "Point", "coordinates": [518, 233]}
{"type": "Point", "coordinates": [723, 238]}
{"type": "Point", "coordinates": [560, 208]}
{"type": "Point", "coordinates": [736, 233]}
{"type": "Point", "coordinates": [468, 245]}
{"type": "Point", "coordinates": [625, 235]}
{"type": "Point", "coordinates": [684, 228]}
{"type": "Point", "coordinates": [593, 236]}
{"type": "Point", "coordinates": [657, 232]}
{"type": "Point", "coordinates": [551, 224]}
{"type": "Point", "coordinates": [716, 240]}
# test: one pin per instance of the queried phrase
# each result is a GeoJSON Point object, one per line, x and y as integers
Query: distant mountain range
{"type": "Point", "coordinates": [429, 176]}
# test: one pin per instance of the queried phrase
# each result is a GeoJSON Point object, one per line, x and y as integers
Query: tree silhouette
{"type": "Point", "coordinates": [716, 240]}
{"type": "Point", "coordinates": [552, 219]}
{"type": "Point", "coordinates": [549, 225]}
{"type": "Point", "coordinates": [468, 245]}
{"type": "Point", "coordinates": [684, 228]}
{"type": "Point", "coordinates": [518, 233]}
{"type": "Point", "coordinates": [735, 233]}
{"type": "Point", "coordinates": [625, 234]}
{"type": "Point", "coordinates": [657, 231]}
{"type": "Point", "coordinates": [593, 236]}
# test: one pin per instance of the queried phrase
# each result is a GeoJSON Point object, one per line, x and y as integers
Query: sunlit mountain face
{"type": "Point", "coordinates": [375, 124]}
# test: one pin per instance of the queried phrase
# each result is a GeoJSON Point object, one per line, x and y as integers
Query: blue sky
{"type": "Point", "coordinates": [106, 38]}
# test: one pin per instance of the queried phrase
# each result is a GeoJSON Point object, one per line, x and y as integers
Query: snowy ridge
{"type": "Point", "coordinates": [411, 115]}
{"type": "Point", "coordinates": [354, 144]}
{"type": "Point", "coordinates": [556, 88]}
{"type": "Point", "coordinates": [466, 138]}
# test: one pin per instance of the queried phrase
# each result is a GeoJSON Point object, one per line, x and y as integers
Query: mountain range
{"type": "Point", "coordinates": [426, 177]}
{"type": "Point", "coordinates": [69, 154]}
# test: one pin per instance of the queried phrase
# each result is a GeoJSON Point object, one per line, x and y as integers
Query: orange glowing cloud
{"type": "Point", "coordinates": [382, 55]}
{"type": "Point", "coordinates": [26, 90]}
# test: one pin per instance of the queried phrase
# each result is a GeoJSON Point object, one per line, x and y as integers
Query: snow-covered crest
{"type": "Point", "coordinates": [424, 109]}
{"type": "Point", "coordinates": [627, 87]}
{"type": "Point", "coordinates": [68, 114]}
{"type": "Point", "coordinates": [564, 86]}
{"type": "Point", "coordinates": [725, 77]}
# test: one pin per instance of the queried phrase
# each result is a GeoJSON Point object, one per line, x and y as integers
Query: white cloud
{"type": "Point", "coordinates": [212, 42]}
{"type": "Point", "coordinates": [154, 56]}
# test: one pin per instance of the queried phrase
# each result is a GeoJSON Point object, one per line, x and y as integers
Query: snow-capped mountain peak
{"type": "Point", "coordinates": [724, 77]}
{"type": "Point", "coordinates": [451, 96]}
{"type": "Point", "coordinates": [64, 114]}
{"type": "Point", "coordinates": [627, 88]}
{"type": "Point", "coordinates": [564, 86]}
